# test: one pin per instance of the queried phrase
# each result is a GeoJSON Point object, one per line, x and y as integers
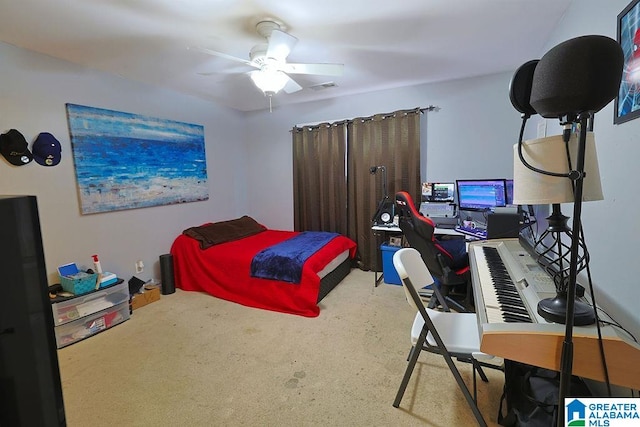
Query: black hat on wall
{"type": "Point", "coordinates": [14, 148]}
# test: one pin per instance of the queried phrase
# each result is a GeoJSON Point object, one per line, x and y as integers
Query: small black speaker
{"type": "Point", "coordinates": [582, 74]}
{"type": "Point", "coordinates": [166, 274]}
{"type": "Point", "coordinates": [520, 87]}
{"type": "Point", "coordinates": [385, 213]}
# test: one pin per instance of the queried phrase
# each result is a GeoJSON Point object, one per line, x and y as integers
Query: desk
{"type": "Point", "coordinates": [381, 232]}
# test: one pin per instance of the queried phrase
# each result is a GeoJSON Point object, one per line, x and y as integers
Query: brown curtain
{"type": "Point", "coordinates": [390, 140]}
{"type": "Point", "coordinates": [319, 178]}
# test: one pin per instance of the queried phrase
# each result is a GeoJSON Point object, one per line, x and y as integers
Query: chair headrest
{"type": "Point", "coordinates": [407, 211]}
{"type": "Point", "coordinates": [405, 204]}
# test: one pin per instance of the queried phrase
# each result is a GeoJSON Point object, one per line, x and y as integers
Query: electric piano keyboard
{"type": "Point", "coordinates": [507, 285]}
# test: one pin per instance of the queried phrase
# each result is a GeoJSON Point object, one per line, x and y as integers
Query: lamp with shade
{"type": "Point", "coordinates": [557, 154]}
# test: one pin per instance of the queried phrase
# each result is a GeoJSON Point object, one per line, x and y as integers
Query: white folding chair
{"type": "Point", "coordinates": [452, 335]}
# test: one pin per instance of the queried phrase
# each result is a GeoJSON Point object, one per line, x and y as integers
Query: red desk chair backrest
{"type": "Point", "coordinates": [420, 233]}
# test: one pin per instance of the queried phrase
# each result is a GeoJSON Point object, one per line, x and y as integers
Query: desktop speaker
{"type": "Point", "coordinates": [503, 225]}
{"type": "Point", "coordinates": [385, 213]}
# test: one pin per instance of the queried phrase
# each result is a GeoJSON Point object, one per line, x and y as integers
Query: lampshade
{"type": "Point", "coordinates": [269, 81]}
{"type": "Point", "coordinates": [550, 154]}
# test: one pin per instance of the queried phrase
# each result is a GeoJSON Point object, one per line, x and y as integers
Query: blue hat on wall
{"type": "Point", "coordinates": [46, 150]}
{"type": "Point", "coordinates": [14, 148]}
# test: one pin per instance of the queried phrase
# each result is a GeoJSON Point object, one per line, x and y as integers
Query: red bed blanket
{"type": "Point", "coordinates": [223, 270]}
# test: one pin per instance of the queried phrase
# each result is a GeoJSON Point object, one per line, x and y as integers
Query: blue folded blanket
{"type": "Point", "coordinates": [284, 261]}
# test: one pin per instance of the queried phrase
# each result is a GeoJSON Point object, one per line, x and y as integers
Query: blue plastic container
{"type": "Point", "coordinates": [389, 273]}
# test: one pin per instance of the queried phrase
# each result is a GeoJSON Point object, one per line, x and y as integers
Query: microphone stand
{"type": "Point", "coordinates": [566, 361]}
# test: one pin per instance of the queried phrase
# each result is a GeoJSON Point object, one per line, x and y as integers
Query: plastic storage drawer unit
{"type": "Point", "coordinates": [87, 326]}
{"type": "Point", "coordinates": [85, 305]}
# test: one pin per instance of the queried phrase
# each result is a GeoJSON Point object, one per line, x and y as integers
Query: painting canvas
{"type": "Point", "coordinates": [126, 161]}
{"type": "Point", "coordinates": [627, 104]}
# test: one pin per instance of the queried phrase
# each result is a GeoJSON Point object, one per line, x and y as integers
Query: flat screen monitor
{"type": "Point", "coordinates": [438, 191]}
{"type": "Point", "coordinates": [509, 200]}
{"type": "Point", "coordinates": [481, 194]}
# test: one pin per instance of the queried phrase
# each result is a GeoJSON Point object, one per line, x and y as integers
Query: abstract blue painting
{"type": "Point", "coordinates": [128, 161]}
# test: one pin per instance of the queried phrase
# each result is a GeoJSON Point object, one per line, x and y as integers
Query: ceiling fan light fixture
{"type": "Point", "coordinates": [269, 81]}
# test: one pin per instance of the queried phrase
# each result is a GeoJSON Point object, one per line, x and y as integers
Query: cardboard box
{"type": "Point", "coordinates": [144, 298]}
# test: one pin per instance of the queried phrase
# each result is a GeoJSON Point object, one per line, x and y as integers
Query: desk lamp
{"type": "Point", "coordinates": [558, 154]}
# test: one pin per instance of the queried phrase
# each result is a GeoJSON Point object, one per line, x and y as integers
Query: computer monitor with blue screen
{"type": "Point", "coordinates": [481, 194]}
{"type": "Point", "coordinates": [438, 191]}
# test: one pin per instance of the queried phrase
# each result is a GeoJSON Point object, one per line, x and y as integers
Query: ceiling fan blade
{"type": "Point", "coordinates": [233, 69]}
{"type": "Point", "coordinates": [222, 55]}
{"type": "Point", "coordinates": [280, 45]}
{"type": "Point", "coordinates": [208, 73]}
{"type": "Point", "coordinates": [319, 69]}
{"type": "Point", "coordinates": [291, 86]}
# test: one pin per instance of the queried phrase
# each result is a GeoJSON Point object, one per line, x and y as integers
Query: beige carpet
{"type": "Point", "coordinates": [193, 360]}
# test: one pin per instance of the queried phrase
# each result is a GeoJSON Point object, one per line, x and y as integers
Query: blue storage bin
{"type": "Point", "coordinates": [389, 272]}
{"type": "Point", "coordinates": [79, 283]}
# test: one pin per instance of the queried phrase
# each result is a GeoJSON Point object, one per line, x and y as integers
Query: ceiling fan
{"type": "Point", "coordinates": [270, 60]}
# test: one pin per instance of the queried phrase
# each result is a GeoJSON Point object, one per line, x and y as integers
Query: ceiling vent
{"type": "Point", "coordinates": [323, 86]}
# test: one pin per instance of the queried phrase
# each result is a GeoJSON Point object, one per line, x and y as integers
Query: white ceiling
{"type": "Point", "coordinates": [382, 43]}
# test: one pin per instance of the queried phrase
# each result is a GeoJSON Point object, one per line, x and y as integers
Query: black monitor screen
{"type": "Point", "coordinates": [438, 191]}
{"type": "Point", "coordinates": [481, 194]}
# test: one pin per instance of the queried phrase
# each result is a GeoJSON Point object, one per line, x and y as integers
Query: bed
{"type": "Point", "coordinates": [221, 259]}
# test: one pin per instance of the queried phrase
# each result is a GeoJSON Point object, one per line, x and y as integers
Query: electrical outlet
{"type": "Point", "coordinates": [139, 267]}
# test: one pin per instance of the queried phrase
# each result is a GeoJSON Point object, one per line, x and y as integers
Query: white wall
{"type": "Point", "coordinates": [33, 92]}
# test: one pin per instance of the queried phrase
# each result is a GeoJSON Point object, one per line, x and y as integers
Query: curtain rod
{"type": "Point", "coordinates": [430, 108]}
{"type": "Point", "coordinates": [339, 122]}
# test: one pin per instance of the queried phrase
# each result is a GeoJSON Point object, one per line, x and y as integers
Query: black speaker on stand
{"type": "Point", "coordinates": [166, 274]}
{"type": "Point", "coordinates": [385, 212]}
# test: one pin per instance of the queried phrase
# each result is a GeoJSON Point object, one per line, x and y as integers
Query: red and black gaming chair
{"type": "Point", "coordinates": [451, 273]}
